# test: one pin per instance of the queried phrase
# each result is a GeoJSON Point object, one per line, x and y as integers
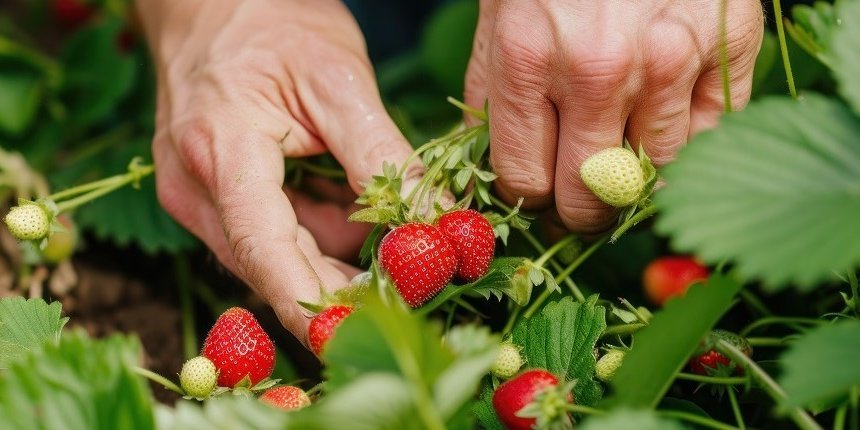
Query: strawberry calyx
{"type": "Point", "coordinates": [549, 407]}
{"type": "Point", "coordinates": [707, 361]}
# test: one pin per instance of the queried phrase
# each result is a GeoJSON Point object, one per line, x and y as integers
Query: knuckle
{"type": "Point", "coordinates": [194, 141]}
{"type": "Point", "coordinates": [583, 215]}
{"type": "Point", "coordinates": [521, 59]}
{"type": "Point", "coordinates": [603, 71]}
{"type": "Point", "coordinates": [671, 55]}
{"type": "Point", "coordinates": [522, 180]}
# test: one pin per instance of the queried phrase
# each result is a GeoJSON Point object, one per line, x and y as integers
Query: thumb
{"type": "Point", "coordinates": [349, 116]}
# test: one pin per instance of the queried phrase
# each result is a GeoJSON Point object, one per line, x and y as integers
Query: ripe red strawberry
{"type": "Point", "coordinates": [515, 395]}
{"type": "Point", "coordinates": [238, 346]}
{"type": "Point", "coordinates": [474, 242]}
{"type": "Point", "coordinates": [668, 277]}
{"type": "Point", "coordinates": [72, 14]}
{"type": "Point", "coordinates": [324, 324]}
{"type": "Point", "coordinates": [286, 397]}
{"type": "Point", "coordinates": [419, 259]}
{"type": "Point", "coordinates": [709, 362]}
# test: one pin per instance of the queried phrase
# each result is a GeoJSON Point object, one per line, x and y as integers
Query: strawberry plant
{"type": "Point", "coordinates": [469, 312]}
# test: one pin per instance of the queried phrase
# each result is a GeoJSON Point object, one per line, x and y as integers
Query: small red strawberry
{"type": "Point", "coordinates": [239, 347]}
{"type": "Point", "coordinates": [514, 400]}
{"type": "Point", "coordinates": [671, 276]}
{"type": "Point", "coordinates": [286, 397]}
{"type": "Point", "coordinates": [324, 324]}
{"type": "Point", "coordinates": [72, 14]}
{"type": "Point", "coordinates": [419, 259]}
{"type": "Point", "coordinates": [709, 362]}
{"type": "Point", "coordinates": [474, 242]}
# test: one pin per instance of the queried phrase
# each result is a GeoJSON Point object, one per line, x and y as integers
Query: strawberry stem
{"type": "Point", "coordinates": [88, 192]}
{"type": "Point", "coordinates": [481, 115]}
{"type": "Point", "coordinates": [696, 419]}
{"type": "Point", "coordinates": [646, 212]}
{"type": "Point", "coordinates": [623, 329]}
{"type": "Point", "coordinates": [776, 392]}
{"type": "Point", "coordinates": [790, 321]}
{"type": "Point", "coordinates": [768, 341]}
{"type": "Point", "coordinates": [783, 47]}
{"type": "Point", "coordinates": [564, 275]}
{"type": "Point", "coordinates": [713, 380]}
{"type": "Point", "coordinates": [733, 399]}
{"type": "Point", "coordinates": [183, 277]}
{"type": "Point", "coordinates": [558, 246]}
{"type": "Point", "coordinates": [158, 379]}
{"type": "Point", "coordinates": [855, 291]}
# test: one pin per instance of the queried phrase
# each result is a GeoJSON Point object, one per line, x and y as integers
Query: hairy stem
{"type": "Point", "coordinates": [783, 47]}
{"type": "Point", "coordinates": [776, 392]}
{"type": "Point", "coordinates": [736, 409]}
{"type": "Point", "coordinates": [790, 321]}
{"type": "Point", "coordinates": [158, 379]}
{"type": "Point", "coordinates": [713, 380]}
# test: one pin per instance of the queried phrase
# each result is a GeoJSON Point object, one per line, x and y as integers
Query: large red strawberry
{"type": "Point", "coordinates": [239, 347]}
{"type": "Point", "coordinates": [419, 259]}
{"type": "Point", "coordinates": [474, 242]}
{"type": "Point", "coordinates": [513, 399]}
{"type": "Point", "coordinates": [323, 325]}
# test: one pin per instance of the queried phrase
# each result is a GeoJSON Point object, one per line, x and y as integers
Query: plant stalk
{"type": "Point", "coordinates": [158, 379]}
{"type": "Point", "coordinates": [783, 47]}
{"type": "Point", "coordinates": [798, 415]}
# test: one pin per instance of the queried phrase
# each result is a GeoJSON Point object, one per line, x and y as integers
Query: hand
{"type": "Point", "coordinates": [243, 84]}
{"type": "Point", "coordinates": [567, 78]}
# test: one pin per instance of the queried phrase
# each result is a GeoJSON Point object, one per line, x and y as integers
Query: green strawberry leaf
{"type": "Point", "coordinates": [483, 408]}
{"type": "Point", "coordinates": [79, 383]}
{"type": "Point", "coordinates": [625, 419]}
{"type": "Point", "coordinates": [476, 349]}
{"type": "Point", "coordinates": [446, 43]}
{"type": "Point", "coordinates": [561, 339]}
{"type": "Point", "coordinates": [499, 280]}
{"type": "Point", "coordinates": [392, 342]}
{"type": "Point", "coordinates": [821, 365]}
{"type": "Point", "coordinates": [846, 55]}
{"type": "Point", "coordinates": [97, 74]}
{"type": "Point", "coordinates": [373, 401]}
{"type": "Point", "coordinates": [662, 348]}
{"type": "Point", "coordinates": [21, 90]}
{"type": "Point", "coordinates": [812, 29]}
{"type": "Point", "coordinates": [222, 413]}
{"type": "Point", "coordinates": [780, 172]}
{"type": "Point", "coordinates": [26, 325]}
{"type": "Point", "coordinates": [128, 215]}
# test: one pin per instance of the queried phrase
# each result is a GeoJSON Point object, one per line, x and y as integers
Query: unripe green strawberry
{"type": "Point", "coordinates": [508, 362]}
{"type": "Point", "coordinates": [198, 377]}
{"type": "Point", "coordinates": [61, 244]}
{"type": "Point", "coordinates": [28, 221]}
{"type": "Point", "coordinates": [609, 364]}
{"type": "Point", "coordinates": [614, 175]}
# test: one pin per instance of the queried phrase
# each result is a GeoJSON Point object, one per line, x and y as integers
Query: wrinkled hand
{"type": "Point", "coordinates": [567, 78]}
{"type": "Point", "coordinates": [243, 84]}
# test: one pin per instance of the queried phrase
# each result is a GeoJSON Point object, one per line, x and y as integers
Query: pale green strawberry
{"type": "Point", "coordinates": [615, 176]}
{"type": "Point", "coordinates": [608, 365]}
{"type": "Point", "coordinates": [508, 362]}
{"type": "Point", "coordinates": [198, 377]}
{"type": "Point", "coordinates": [28, 221]}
